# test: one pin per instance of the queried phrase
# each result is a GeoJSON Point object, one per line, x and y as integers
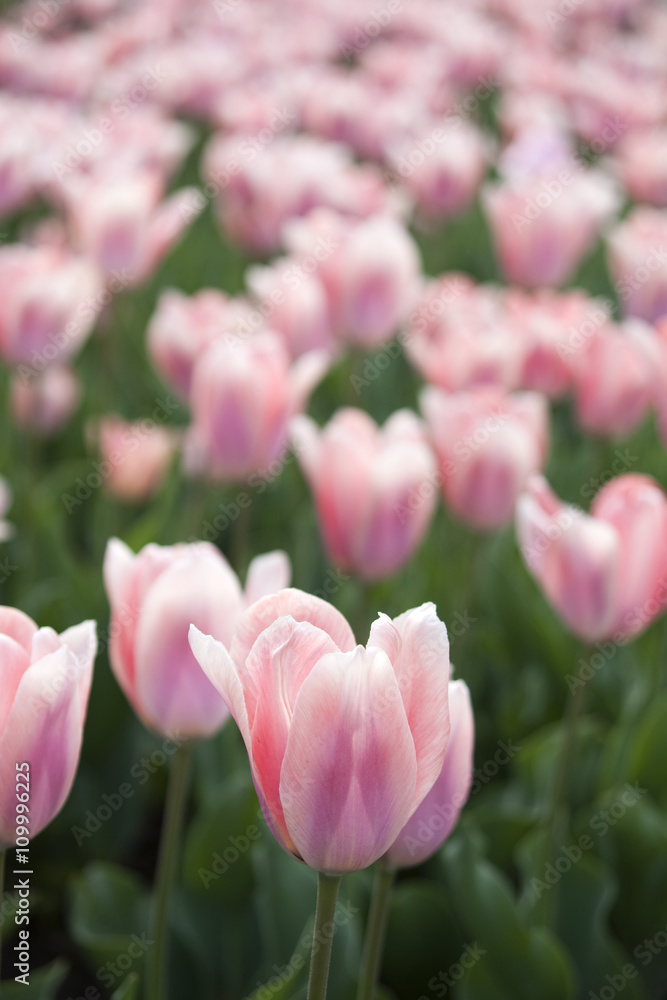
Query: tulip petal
{"type": "Point", "coordinates": [350, 768]}
{"type": "Point", "coordinates": [14, 661]}
{"type": "Point", "coordinates": [17, 626]}
{"type": "Point", "coordinates": [298, 605]}
{"type": "Point", "coordinates": [437, 815]}
{"type": "Point", "coordinates": [267, 574]}
{"type": "Point", "coordinates": [421, 666]}
{"type": "Point", "coordinates": [278, 664]}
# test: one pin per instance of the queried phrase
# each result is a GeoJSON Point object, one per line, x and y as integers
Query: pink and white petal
{"type": "Point", "coordinates": [350, 768]}
{"type": "Point", "coordinates": [14, 661]}
{"type": "Point", "coordinates": [422, 672]}
{"type": "Point", "coordinates": [278, 664]}
{"type": "Point", "coordinates": [81, 641]}
{"type": "Point", "coordinates": [44, 729]}
{"type": "Point", "coordinates": [17, 626]}
{"type": "Point", "coordinates": [222, 672]}
{"type": "Point", "coordinates": [299, 605]}
{"type": "Point", "coordinates": [267, 574]}
{"type": "Point", "coordinates": [119, 562]}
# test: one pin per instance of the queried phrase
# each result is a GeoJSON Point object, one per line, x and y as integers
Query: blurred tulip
{"type": "Point", "coordinates": [442, 171]}
{"type": "Point", "coordinates": [543, 227]}
{"type": "Point", "coordinates": [371, 274]}
{"type": "Point", "coordinates": [375, 490]}
{"type": "Point", "coordinates": [44, 693]}
{"type": "Point", "coordinates": [183, 326]}
{"type": "Point", "coordinates": [458, 336]}
{"type": "Point", "coordinates": [344, 741]}
{"type": "Point", "coordinates": [50, 301]}
{"type": "Point", "coordinates": [293, 303]}
{"type": "Point", "coordinates": [641, 160]}
{"type": "Point", "coordinates": [136, 457]}
{"type": "Point", "coordinates": [638, 263]}
{"type": "Point", "coordinates": [488, 445]}
{"type": "Point", "coordinates": [45, 403]}
{"type": "Point", "coordinates": [244, 393]}
{"type": "Point", "coordinates": [433, 821]}
{"type": "Point", "coordinates": [616, 377]}
{"type": "Point", "coordinates": [122, 223]}
{"type": "Point", "coordinates": [154, 596]}
{"type": "Point", "coordinates": [605, 573]}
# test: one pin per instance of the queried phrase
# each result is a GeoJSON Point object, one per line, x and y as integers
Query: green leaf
{"type": "Point", "coordinates": [129, 990]}
{"type": "Point", "coordinates": [109, 916]}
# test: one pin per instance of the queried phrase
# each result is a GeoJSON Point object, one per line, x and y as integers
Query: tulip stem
{"type": "Point", "coordinates": [170, 838]}
{"type": "Point", "coordinates": [323, 932]}
{"type": "Point", "coordinates": [377, 923]}
{"type": "Point", "coordinates": [3, 854]}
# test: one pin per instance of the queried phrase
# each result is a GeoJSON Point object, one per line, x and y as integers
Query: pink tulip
{"type": "Point", "coordinates": [371, 275]}
{"type": "Point", "coordinates": [604, 573]}
{"type": "Point", "coordinates": [344, 741]}
{"type": "Point", "coordinates": [443, 170]}
{"type": "Point", "coordinates": [183, 326]}
{"type": "Point", "coordinates": [616, 377]}
{"type": "Point", "coordinates": [488, 445]}
{"type": "Point", "coordinates": [122, 223]}
{"type": "Point", "coordinates": [458, 336]}
{"type": "Point", "coordinates": [50, 301]}
{"type": "Point", "coordinates": [243, 395]}
{"type": "Point", "coordinates": [433, 821]}
{"type": "Point", "coordinates": [544, 226]}
{"type": "Point", "coordinates": [638, 263]}
{"type": "Point", "coordinates": [154, 597]}
{"type": "Point", "coordinates": [375, 490]}
{"type": "Point", "coordinates": [45, 403]}
{"type": "Point", "coordinates": [294, 303]}
{"type": "Point", "coordinates": [135, 457]}
{"type": "Point", "coordinates": [44, 693]}
{"type": "Point", "coordinates": [641, 159]}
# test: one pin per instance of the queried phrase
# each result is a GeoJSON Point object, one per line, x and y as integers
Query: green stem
{"type": "Point", "coordinates": [323, 932]}
{"type": "Point", "coordinates": [3, 854]}
{"type": "Point", "coordinates": [170, 839]}
{"type": "Point", "coordinates": [377, 923]}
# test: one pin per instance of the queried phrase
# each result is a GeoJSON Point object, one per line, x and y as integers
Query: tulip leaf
{"type": "Point", "coordinates": [526, 962]}
{"type": "Point", "coordinates": [129, 989]}
{"type": "Point", "coordinates": [110, 913]}
{"type": "Point", "coordinates": [220, 841]}
{"type": "Point", "coordinates": [648, 753]}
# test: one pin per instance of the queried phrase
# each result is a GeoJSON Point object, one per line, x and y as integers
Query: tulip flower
{"type": "Point", "coordinates": [44, 691]}
{"type": "Point", "coordinates": [154, 596]}
{"type": "Point", "coordinates": [638, 263]}
{"type": "Point", "coordinates": [50, 303]}
{"type": "Point", "coordinates": [243, 396]}
{"type": "Point", "coordinates": [135, 456]}
{"type": "Point", "coordinates": [344, 741]}
{"type": "Point", "coordinates": [375, 490]}
{"type": "Point", "coordinates": [605, 573]}
{"type": "Point", "coordinates": [488, 445]}
{"type": "Point", "coordinates": [44, 403]}
{"type": "Point", "coordinates": [433, 821]}
{"type": "Point", "coordinates": [615, 378]}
